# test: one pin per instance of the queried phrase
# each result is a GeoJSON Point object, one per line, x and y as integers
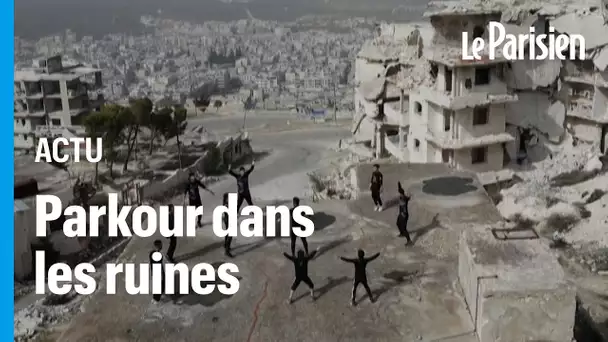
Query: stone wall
{"type": "Point", "coordinates": [227, 151]}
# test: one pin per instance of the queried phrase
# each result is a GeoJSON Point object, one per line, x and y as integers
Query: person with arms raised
{"type": "Point", "coordinates": [193, 194]}
{"type": "Point", "coordinates": [300, 264]}
{"type": "Point", "coordinates": [360, 264]}
{"type": "Point", "coordinates": [242, 183]}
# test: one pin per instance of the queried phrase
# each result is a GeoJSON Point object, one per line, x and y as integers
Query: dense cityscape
{"type": "Point", "coordinates": [274, 65]}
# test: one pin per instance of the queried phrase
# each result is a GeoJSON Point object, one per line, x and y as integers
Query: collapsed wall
{"type": "Point", "coordinates": [515, 289]}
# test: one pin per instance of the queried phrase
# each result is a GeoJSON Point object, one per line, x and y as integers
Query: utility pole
{"type": "Point", "coordinates": [250, 98]}
{"type": "Point", "coordinates": [335, 105]}
{"type": "Point", "coordinates": [297, 96]}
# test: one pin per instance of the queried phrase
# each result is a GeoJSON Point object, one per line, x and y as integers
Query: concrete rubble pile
{"type": "Point", "coordinates": [333, 182]}
{"type": "Point", "coordinates": [578, 203]}
{"type": "Point", "coordinates": [29, 321]}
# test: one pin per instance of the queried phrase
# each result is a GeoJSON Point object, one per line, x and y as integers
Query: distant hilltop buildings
{"type": "Point", "coordinates": [51, 99]}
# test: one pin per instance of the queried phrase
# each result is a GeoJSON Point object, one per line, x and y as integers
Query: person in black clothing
{"type": "Point", "coordinates": [194, 195]}
{"type": "Point", "coordinates": [292, 235]}
{"type": "Point", "coordinates": [172, 239]}
{"type": "Point", "coordinates": [300, 264]}
{"type": "Point", "coordinates": [158, 247]}
{"type": "Point", "coordinates": [360, 274]}
{"type": "Point", "coordinates": [403, 215]}
{"type": "Point", "coordinates": [81, 193]}
{"type": "Point", "coordinates": [242, 183]}
{"type": "Point", "coordinates": [375, 185]}
{"type": "Point", "coordinates": [525, 135]}
{"type": "Point", "coordinates": [227, 239]}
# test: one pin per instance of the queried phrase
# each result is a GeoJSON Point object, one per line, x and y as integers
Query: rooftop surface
{"type": "Point", "coordinates": [521, 265]}
{"type": "Point", "coordinates": [418, 298]}
{"type": "Point", "coordinates": [68, 74]}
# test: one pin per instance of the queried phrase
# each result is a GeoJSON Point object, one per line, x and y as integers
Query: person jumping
{"type": "Point", "coordinates": [228, 238]}
{"type": "Point", "coordinates": [194, 195]}
{"type": "Point", "coordinates": [360, 264]}
{"type": "Point", "coordinates": [292, 235]}
{"type": "Point", "coordinates": [403, 215]}
{"type": "Point", "coordinates": [242, 183]}
{"type": "Point", "coordinates": [300, 264]}
{"type": "Point", "coordinates": [375, 185]}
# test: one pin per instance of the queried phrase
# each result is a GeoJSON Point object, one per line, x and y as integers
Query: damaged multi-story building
{"type": "Point", "coordinates": [460, 118]}
{"type": "Point", "coordinates": [418, 100]}
{"type": "Point", "coordinates": [586, 81]}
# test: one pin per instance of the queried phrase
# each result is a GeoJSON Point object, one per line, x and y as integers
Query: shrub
{"type": "Point", "coordinates": [561, 222]}
{"type": "Point", "coordinates": [595, 195]}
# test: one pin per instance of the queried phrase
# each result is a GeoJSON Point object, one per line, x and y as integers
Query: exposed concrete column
{"type": "Point", "coordinates": [374, 135]}
{"type": "Point", "coordinates": [402, 117]}
{"type": "Point", "coordinates": [379, 141]}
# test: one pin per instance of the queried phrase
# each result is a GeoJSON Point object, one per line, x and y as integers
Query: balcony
{"type": "Point", "coordinates": [45, 130]}
{"type": "Point", "coordinates": [449, 101]}
{"type": "Point", "coordinates": [22, 129]}
{"type": "Point", "coordinates": [590, 78]}
{"type": "Point", "coordinates": [66, 132]}
{"type": "Point", "coordinates": [36, 112]}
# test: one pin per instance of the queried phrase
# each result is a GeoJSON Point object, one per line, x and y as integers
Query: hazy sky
{"type": "Point", "coordinates": [37, 18]}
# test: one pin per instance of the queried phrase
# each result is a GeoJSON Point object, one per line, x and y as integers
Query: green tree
{"type": "Point", "coordinates": [159, 123]}
{"type": "Point", "coordinates": [217, 104]}
{"type": "Point", "coordinates": [138, 116]}
{"type": "Point", "coordinates": [110, 122]}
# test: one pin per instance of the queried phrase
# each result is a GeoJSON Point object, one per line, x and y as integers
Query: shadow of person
{"type": "Point", "coordinates": [209, 248]}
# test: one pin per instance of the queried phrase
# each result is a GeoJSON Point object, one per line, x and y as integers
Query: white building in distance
{"type": "Point", "coordinates": [51, 97]}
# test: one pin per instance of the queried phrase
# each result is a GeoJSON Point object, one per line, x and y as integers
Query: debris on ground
{"type": "Point", "coordinates": [333, 182]}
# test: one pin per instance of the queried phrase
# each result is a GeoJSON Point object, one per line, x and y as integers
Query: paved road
{"type": "Point", "coordinates": [294, 152]}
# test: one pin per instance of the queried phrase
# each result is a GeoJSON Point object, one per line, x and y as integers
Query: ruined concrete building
{"type": "Point", "coordinates": [418, 101]}
{"type": "Point", "coordinates": [460, 120]}
{"type": "Point", "coordinates": [381, 97]}
{"type": "Point", "coordinates": [586, 82]}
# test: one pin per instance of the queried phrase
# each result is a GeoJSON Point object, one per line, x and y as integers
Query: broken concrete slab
{"type": "Point", "coordinates": [515, 289]}
{"type": "Point", "coordinates": [600, 60]}
{"type": "Point", "coordinates": [589, 26]}
{"type": "Point", "coordinates": [532, 74]}
{"type": "Point", "coordinates": [381, 49]}
{"type": "Point", "coordinates": [373, 89]}
{"type": "Point", "coordinates": [539, 111]}
{"type": "Point", "coordinates": [512, 147]}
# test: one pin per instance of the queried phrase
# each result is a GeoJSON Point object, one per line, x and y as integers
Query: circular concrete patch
{"type": "Point", "coordinates": [449, 191]}
{"type": "Point", "coordinates": [449, 186]}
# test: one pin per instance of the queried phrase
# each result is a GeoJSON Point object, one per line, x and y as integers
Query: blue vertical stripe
{"type": "Point", "coordinates": [7, 180]}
